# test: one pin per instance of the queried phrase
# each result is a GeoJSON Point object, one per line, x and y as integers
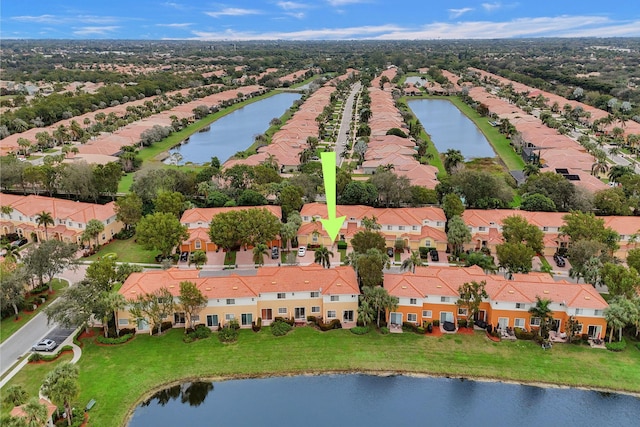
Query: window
{"type": "Point", "coordinates": [401, 227]}
{"type": "Point", "coordinates": [315, 294]}
{"type": "Point", "coordinates": [231, 301]}
{"type": "Point", "coordinates": [347, 316]}
{"type": "Point", "coordinates": [299, 313]}
{"type": "Point", "coordinates": [179, 317]}
{"type": "Point", "coordinates": [444, 299]}
{"type": "Point", "coordinates": [212, 320]}
{"type": "Point", "coordinates": [335, 298]}
{"type": "Point", "coordinates": [520, 305]}
{"type": "Point", "coordinates": [331, 314]}
{"type": "Point", "coordinates": [462, 311]}
{"type": "Point", "coordinates": [413, 301]}
{"type": "Point", "coordinates": [198, 244]}
{"type": "Point", "coordinates": [412, 317]}
{"type": "Point", "coordinates": [247, 318]}
{"type": "Point", "coordinates": [389, 227]}
{"type": "Point", "coordinates": [482, 228]}
{"type": "Point", "coordinates": [282, 310]}
{"type": "Point", "coordinates": [267, 314]}
{"type": "Point", "coordinates": [314, 238]}
{"type": "Point", "coordinates": [123, 321]}
{"type": "Point", "coordinates": [229, 317]}
{"type": "Point", "coordinates": [315, 309]}
{"type": "Point", "coordinates": [281, 295]}
{"type": "Point", "coordinates": [440, 223]}
{"type": "Point", "coordinates": [578, 311]}
{"type": "Point", "coordinates": [545, 228]}
{"type": "Point", "coordinates": [414, 228]}
{"type": "Point", "coordinates": [519, 323]}
{"type": "Point", "coordinates": [195, 318]}
{"type": "Point", "coordinates": [597, 312]}
{"type": "Point", "coordinates": [535, 321]}
{"type": "Point", "coordinates": [427, 314]}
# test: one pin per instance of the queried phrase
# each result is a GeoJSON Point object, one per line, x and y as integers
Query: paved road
{"type": "Point", "coordinates": [36, 329]}
{"type": "Point", "coordinates": [345, 124]}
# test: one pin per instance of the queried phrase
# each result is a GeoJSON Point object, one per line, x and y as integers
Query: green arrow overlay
{"type": "Point", "coordinates": [332, 224]}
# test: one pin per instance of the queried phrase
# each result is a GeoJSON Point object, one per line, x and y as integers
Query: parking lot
{"type": "Point", "coordinates": [59, 335]}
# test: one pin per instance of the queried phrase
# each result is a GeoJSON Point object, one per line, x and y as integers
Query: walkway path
{"type": "Point", "coordinates": [345, 125]}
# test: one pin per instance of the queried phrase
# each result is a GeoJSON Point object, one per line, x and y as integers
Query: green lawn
{"type": "Point", "coordinates": [119, 376]}
{"type": "Point", "coordinates": [9, 325]}
{"type": "Point", "coordinates": [127, 251]}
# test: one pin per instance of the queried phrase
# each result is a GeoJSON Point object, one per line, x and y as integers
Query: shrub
{"type": "Point", "coordinates": [233, 323]}
{"type": "Point", "coordinates": [66, 348]}
{"type": "Point", "coordinates": [436, 323]}
{"type": "Point", "coordinates": [312, 319]}
{"type": "Point", "coordinates": [617, 346]}
{"type": "Point", "coordinates": [228, 334]}
{"type": "Point", "coordinates": [424, 252]}
{"type": "Point", "coordinates": [201, 332]}
{"type": "Point", "coordinates": [334, 324]}
{"type": "Point", "coordinates": [409, 327]}
{"type": "Point", "coordinates": [165, 325]}
{"type": "Point", "coordinates": [282, 319]}
{"type": "Point", "coordinates": [360, 330]}
{"type": "Point", "coordinates": [280, 328]}
{"type": "Point", "coordinates": [35, 357]}
{"type": "Point", "coordinates": [462, 323]}
{"type": "Point", "coordinates": [120, 340]}
{"type": "Point", "coordinates": [522, 334]}
{"type": "Point", "coordinates": [126, 331]}
{"type": "Point", "coordinates": [420, 330]}
{"type": "Point", "coordinates": [384, 330]}
{"type": "Point", "coordinates": [256, 326]}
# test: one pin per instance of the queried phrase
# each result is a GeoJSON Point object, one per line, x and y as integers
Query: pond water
{"type": "Point", "coordinates": [449, 128]}
{"type": "Point", "coordinates": [363, 400]}
{"type": "Point", "coordinates": [232, 133]}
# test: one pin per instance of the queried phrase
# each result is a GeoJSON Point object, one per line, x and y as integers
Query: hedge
{"type": "Point", "coordinates": [617, 346]}
{"type": "Point", "coordinates": [280, 328]}
{"type": "Point", "coordinates": [360, 330]}
{"type": "Point", "coordinates": [110, 341]}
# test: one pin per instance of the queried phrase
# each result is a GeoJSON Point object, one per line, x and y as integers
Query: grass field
{"type": "Point", "coordinates": [9, 325]}
{"type": "Point", "coordinates": [127, 250]}
{"type": "Point", "coordinates": [119, 376]}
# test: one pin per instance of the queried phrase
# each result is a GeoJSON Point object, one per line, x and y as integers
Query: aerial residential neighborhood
{"type": "Point", "coordinates": [181, 210]}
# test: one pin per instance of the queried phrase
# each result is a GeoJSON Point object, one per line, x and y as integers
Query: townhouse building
{"type": "Point", "coordinates": [431, 293]}
{"type": "Point", "coordinates": [70, 218]}
{"type": "Point", "coordinates": [266, 293]}
{"type": "Point", "coordinates": [415, 226]}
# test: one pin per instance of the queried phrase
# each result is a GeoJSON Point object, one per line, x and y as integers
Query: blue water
{"type": "Point", "coordinates": [449, 128]}
{"type": "Point", "coordinates": [371, 401]}
{"type": "Point", "coordinates": [235, 131]}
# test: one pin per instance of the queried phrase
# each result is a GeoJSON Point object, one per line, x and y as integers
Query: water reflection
{"type": "Point", "coordinates": [192, 393]}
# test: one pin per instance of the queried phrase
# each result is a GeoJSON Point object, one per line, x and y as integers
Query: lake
{"type": "Point", "coordinates": [449, 128]}
{"type": "Point", "coordinates": [234, 132]}
{"type": "Point", "coordinates": [364, 400]}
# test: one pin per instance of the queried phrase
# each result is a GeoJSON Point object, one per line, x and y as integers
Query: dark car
{"type": "Point", "coordinates": [184, 256]}
{"type": "Point", "coordinates": [20, 242]}
{"type": "Point", "coordinates": [559, 260]}
{"type": "Point", "coordinates": [434, 255]}
{"type": "Point", "coordinates": [275, 252]}
{"type": "Point", "coordinates": [390, 251]}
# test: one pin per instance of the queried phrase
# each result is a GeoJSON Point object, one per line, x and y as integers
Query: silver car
{"type": "Point", "coordinates": [45, 345]}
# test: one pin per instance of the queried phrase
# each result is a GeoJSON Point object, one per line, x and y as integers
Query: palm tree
{"type": "Point", "coordinates": [323, 256]}
{"type": "Point", "coordinates": [111, 302]}
{"type": "Point", "coordinates": [259, 251]}
{"type": "Point", "coordinates": [452, 158]}
{"type": "Point", "coordinates": [412, 262]}
{"type": "Point", "coordinates": [11, 252]}
{"type": "Point", "coordinates": [45, 219]}
{"type": "Point", "coordinates": [542, 311]}
{"type": "Point", "coordinates": [93, 230]}
{"type": "Point", "coordinates": [618, 171]}
{"type": "Point", "coordinates": [35, 413]}
{"type": "Point", "coordinates": [531, 169]}
{"type": "Point", "coordinates": [600, 166]}
{"type": "Point", "coordinates": [61, 386]}
{"type": "Point", "coordinates": [618, 315]}
{"type": "Point", "coordinates": [199, 258]}
{"type": "Point", "coordinates": [15, 395]}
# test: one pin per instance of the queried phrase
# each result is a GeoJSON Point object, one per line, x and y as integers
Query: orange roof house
{"type": "Point", "coordinates": [292, 291]}
{"type": "Point", "coordinates": [431, 294]}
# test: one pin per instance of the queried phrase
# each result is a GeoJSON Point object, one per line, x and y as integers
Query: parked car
{"type": "Point", "coordinates": [275, 252]}
{"type": "Point", "coordinates": [434, 255]}
{"type": "Point", "coordinates": [302, 251]}
{"type": "Point", "coordinates": [184, 256]}
{"type": "Point", "coordinates": [45, 345]}
{"type": "Point", "coordinates": [19, 242]}
{"type": "Point", "coordinates": [390, 251]}
{"type": "Point", "coordinates": [560, 262]}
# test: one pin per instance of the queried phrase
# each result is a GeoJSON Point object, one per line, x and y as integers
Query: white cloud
{"type": "Point", "coordinates": [41, 19]}
{"type": "Point", "coordinates": [320, 34]}
{"type": "Point", "coordinates": [174, 5]}
{"type": "Point", "coordinates": [184, 25]}
{"type": "Point", "coordinates": [490, 7]}
{"type": "Point", "coordinates": [233, 11]}
{"type": "Point", "coordinates": [297, 15]}
{"type": "Point", "coordinates": [456, 13]}
{"type": "Point", "coordinates": [65, 20]}
{"type": "Point", "coordinates": [101, 31]}
{"type": "Point", "coordinates": [292, 5]}
{"type": "Point", "coordinates": [345, 2]}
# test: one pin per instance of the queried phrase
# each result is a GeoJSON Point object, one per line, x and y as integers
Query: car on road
{"type": "Point", "coordinates": [19, 242]}
{"type": "Point", "coordinates": [44, 345]}
{"type": "Point", "coordinates": [302, 251]}
{"type": "Point", "coordinates": [390, 252]}
{"type": "Point", "coordinates": [559, 260]}
{"type": "Point", "coordinates": [434, 255]}
{"type": "Point", "coordinates": [275, 252]}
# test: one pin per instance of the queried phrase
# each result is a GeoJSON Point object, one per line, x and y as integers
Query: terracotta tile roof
{"type": "Point", "coordinates": [18, 411]}
{"type": "Point", "coordinates": [385, 216]}
{"type": "Point", "coordinates": [204, 215]}
{"type": "Point", "coordinates": [80, 212]}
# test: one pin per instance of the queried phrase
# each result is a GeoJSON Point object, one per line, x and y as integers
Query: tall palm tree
{"type": "Point", "coordinates": [452, 158]}
{"type": "Point", "coordinates": [618, 171]}
{"type": "Point", "coordinates": [600, 166]}
{"type": "Point", "coordinates": [61, 386]}
{"type": "Point", "coordinates": [323, 256]}
{"type": "Point", "coordinates": [531, 169]}
{"type": "Point", "coordinates": [412, 262]}
{"type": "Point", "coordinates": [45, 219]}
{"type": "Point", "coordinates": [35, 413]}
{"type": "Point", "coordinates": [259, 251]}
{"type": "Point", "coordinates": [618, 315]}
{"type": "Point", "coordinates": [542, 311]}
{"type": "Point", "coordinates": [110, 302]}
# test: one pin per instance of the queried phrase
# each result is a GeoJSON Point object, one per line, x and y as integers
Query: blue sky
{"type": "Point", "coordinates": [317, 19]}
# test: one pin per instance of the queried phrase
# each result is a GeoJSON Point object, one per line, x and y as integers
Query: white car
{"type": "Point", "coordinates": [45, 345]}
{"type": "Point", "coordinates": [302, 250]}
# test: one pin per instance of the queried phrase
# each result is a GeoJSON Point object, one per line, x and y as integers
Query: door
{"type": "Point", "coordinates": [480, 315]}
{"type": "Point", "coordinates": [595, 331]}
{"type": "Point", "coordinates": [247, 319]}
{"type": "Point", "coordinates": [347, 316]}
{"type": "Point", "coordinates": [299, 313]}
{"type": "Point", "coordinates": [178, 318]}
{"type": "Point", "coordinates": [395, 318]}
{"type": "Point", "coordinates": [446, 316]}
{"type": "Point", "coordinates": [556, 325]}
{"type": "Point", "coordinates": [503, 322]}
{"type": "Point", "coordinates": [212, 320]}
{"type": "Point", "coordinates": [143, 325]}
